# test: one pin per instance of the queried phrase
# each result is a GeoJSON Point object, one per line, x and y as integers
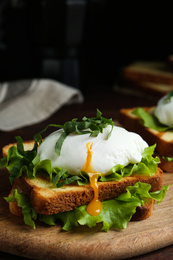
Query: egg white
{"type": "Point", "coordinates": [122, 147]}
{"type": "Point", "coordinates": [164, 111]}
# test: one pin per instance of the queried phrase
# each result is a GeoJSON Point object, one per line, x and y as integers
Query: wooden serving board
{"type": "Point", "coordinates": [83, 243]}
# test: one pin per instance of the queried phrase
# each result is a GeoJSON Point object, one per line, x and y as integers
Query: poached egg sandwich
{"type": "Point", "coordinates": [84, 173]}
{"type": "Point", "coordinates": [155, 125]}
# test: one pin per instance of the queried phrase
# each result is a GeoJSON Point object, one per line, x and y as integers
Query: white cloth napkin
{"type": "Point", "coordinates": [26, 102]}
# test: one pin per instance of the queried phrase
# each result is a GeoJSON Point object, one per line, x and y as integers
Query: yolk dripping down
{"type": "Point", "coordinates": [95, 206]}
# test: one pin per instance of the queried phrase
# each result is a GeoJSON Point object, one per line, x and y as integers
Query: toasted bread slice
{"type": "Point", "coordinates": [141, 213]}
{"type": "Point", "coordinates": [155, 72]}
{"type": "Point", "coordinates": [47, 200]}
{"type": "Point", "coordinates": [151, 77]}
{"type": "Point", "coordinates": [158, 89]}
{"type": "Point", "coordinates": [164, 140]}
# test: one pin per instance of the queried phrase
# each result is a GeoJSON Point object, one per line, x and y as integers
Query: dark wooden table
{"type": "Point", "coordinates": [108, 102]}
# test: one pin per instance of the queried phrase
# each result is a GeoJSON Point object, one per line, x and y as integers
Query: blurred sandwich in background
{"type": "Point", "coordinates": [149, 76]}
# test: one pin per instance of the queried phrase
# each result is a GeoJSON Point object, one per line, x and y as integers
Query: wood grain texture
{"type": "Point", "coordinates": [83, 243]}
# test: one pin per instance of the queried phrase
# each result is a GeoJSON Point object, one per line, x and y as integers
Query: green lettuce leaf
{"type": "Point", "coordinates": [29, 214]}
{"type": "Point", "coordinates": [44, 166]}
{"type": "Point", "coordinates": [147, 167]}
{"type": "Point", "coordinates": [18, 161]}
{"type": "Point", "coordinates": [168, 96]}
{"type": "Point", "coordinates": [13, 157]}
{"type": "Point", "coordinates": [116, 213]}
{"type": "Point", "coordinates": [150, 121]}
{"type": "Point", "coordinates": [167, 159]}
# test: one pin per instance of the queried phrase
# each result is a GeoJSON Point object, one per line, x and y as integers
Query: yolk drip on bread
{"type": "Point", "coordinates": [95, 206]}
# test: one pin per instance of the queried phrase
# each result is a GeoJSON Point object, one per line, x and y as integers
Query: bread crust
{"type": "Point", "coordinates": [50, 200]}
{"type": "Point", "coordinates": [163, 148]}
{"type": "Point", "coordinates": [144, 211]}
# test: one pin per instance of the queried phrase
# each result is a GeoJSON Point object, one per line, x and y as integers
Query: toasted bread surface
{"type": "Point", "coordinates": [164, 140]}
{"type": "Point", "coordinates": [141, 213]}
{"type": "Point", "coordinates": [47, 200]}
{"type": "Point", "coordinates": [155, 72]}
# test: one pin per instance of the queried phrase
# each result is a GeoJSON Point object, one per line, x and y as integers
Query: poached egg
{"type": "Point", "coordinates": [164, 111]}
{"type": "Point", "coordinates": [122, 147]}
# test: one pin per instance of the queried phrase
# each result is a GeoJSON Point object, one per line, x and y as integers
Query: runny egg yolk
{"type": "Point", "coordinates": [95, 206]}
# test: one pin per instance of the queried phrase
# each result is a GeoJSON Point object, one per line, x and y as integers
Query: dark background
{"type": "Point", "coordinates": [82, 41]}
